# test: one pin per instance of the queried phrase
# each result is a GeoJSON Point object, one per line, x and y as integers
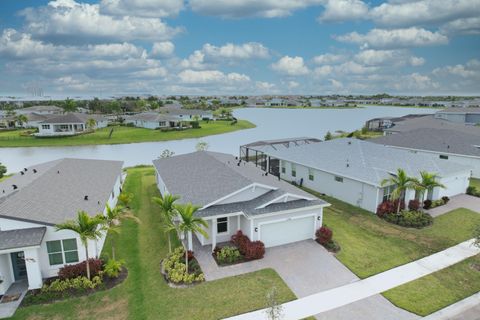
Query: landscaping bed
{"type": "Point", "coordinates": [324, 236]}
{"type": "Point", "coordinates": [242, 249]}
{"type": "Point", "coordinates": [414, 217]}
{"type": "Point", "coordinates": [175, 272]}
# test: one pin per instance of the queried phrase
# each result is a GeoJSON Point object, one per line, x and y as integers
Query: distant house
{"type": "Point", "coordinates": [235, 195]}
{"type": "Point", "coordinates": [352, 170]}
{"type": "Point", "coordinates": [460, 115]}
{"type": "Point", "coordinates": [187, 114]}
{"type": "Point", "coordinates": [275, 102]}
{"type": "Point", "coordinates": [34, 201]}
{"type": "Point", "coordinates": [379, 124]}
{"type": "Point", "coordinates": [40, 110]}
{"type": "Point", "coordinates": [152, 120]}
{"type": "Point", "coordinates": [413, 122]}
{"type": "Point", "coordinates": [69, 124]}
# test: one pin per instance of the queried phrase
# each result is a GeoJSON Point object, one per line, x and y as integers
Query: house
{"type": "Point", "coordinates": [33, 201]}
{"type": "Point", "coordinates": [152, 120]}
{"type": "Point", "coordinates": [413, 122]}
{"type": "Point", "coordinates": [69, 124]}
{"type": "Point", "coordinates": [235, 195]}
{"type": "Point", "coordinates": [456, 146]}
{"type": "Point", "coordinates": [379, 124]}
{"type": "Point", "coordinates": [352, 170]}
{"type": "Point", "coordinates": [40, 110]}
{"type": "Point", "coordinates": [187, 114]}
{"type": "Point", "coordinates": [460, 115]}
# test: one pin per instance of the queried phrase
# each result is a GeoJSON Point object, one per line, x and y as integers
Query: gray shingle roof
{"type": "Point", "coordinates": [150, 117]}
{"type": "Point", "coordinates": [460, 110]}
{"type": "Point", "coordinates": [43, 109]}
{"type": "Point", "coordinates": [204, 177]}
{"type": "Point", "coordinates": [57, 193]}
{"type": "Point", "coordinates": [362, 160]}
{"type": "Point", "coordinates": [439, 140]}
{"type": "Point", "coordinates": [74, 118]}
{"type": "Point", "coordinates": [20, 238]}
{"type": "Point", "coordinates": [432, 123]}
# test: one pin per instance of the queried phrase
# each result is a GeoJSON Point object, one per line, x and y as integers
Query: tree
{"type": "Point", "coordinates": [3, 170]}
{"type": "Point", "coordinates": [190, 224]}
{"type": "Point", "coordinates": [427, 183]}
{"type": "Point", "coordinates": [10, 110]}
{"type": "Point", "coordinates": [168, 210]}
{"type": "Point", "coordinates": [87, 228]}
{"type": "Point", "coordinates": [91, 123]}
{"type": "Point", "coordinates": [21, 119]}
{"type": "Point", "coordinates": [402, 182]}
{"type": "Point", "coordinates": [328, 136]}
{"type": "Point", "coordinates": [69, 105]}
{"type": "Point", "coordinates": [112, 219]}
{"type": "Point", "coordinates": [167, 154]}
{"type": "Point", "coordinates": [274, 310]}
{"type": "Point", "coordinates": [201, 146]}
{"type": "Point", "coordinates": [125, 199]}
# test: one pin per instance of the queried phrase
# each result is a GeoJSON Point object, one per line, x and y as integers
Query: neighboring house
{"type": "Point", "coordinates": [235, 195]}
{"type": "Point", "coordinates": [352, 170]}
{"type": "Point", "coordinates": [69, 124]}
{"type": "Point", "coordinates": [40, 110]}
{"type": "Point", "coordinates": [445, 144]}
{"type": "Point", "coordinates": [379, 124]}
{"type": "Point", "coordinates": [152, 120]}
{"type": "Point", "coordinates": [187, 114]}
{"type": "Point", "coordinates": [410, 123]}
{"type": "Point", "coordinates": [33, 201]}
{"type": "Point", "coordinates": [460, 115]}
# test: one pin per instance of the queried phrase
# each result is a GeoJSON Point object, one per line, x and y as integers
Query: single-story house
{"type": "Point", "coordinates": [69, 124]}
{"type": "Point", "coordinates": [182, 114]}
{"type": "Point", "coordinates": [352, 170]}
{"type": "Point", "coordinates": [410, 123]}
{"type": "Point", "coordinates": [33, 201]}
{"type": "Point", "coordinates": [444, 144]}
{"type": "Point", "coordinates": [40, 110]}
{"type": "Point", "coordinates": [460, 115]}
{"type": "Point", "coordinates": [235, 195]}
{"type": "Point", "coordinates": [152, 120]}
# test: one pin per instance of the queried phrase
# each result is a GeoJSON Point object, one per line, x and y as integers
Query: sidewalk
{"type": "Point", "coordinates": [337, 297]}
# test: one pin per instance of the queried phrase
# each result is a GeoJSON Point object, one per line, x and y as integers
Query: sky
{"type": "Point", "coordinates": [240, 47]}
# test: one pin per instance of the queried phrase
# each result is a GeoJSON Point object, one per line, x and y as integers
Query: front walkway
{"type": "Point", "coordinates": [307, 268]}
{"type": "Point", "coordinates": [359, 290]}
{"type": "Point", "coordinates": [7, 309]}
{"type": "Point", "coordinates": [456, 202]}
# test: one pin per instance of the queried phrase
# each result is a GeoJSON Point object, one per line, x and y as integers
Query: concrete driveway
{"type": "Point", "coordinates": [307, 268]}
{"type": "Point", "coordinates": [456, 202]}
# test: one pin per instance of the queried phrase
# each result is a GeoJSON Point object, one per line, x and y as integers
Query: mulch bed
{"type": "Point", "coordinates": [37, 297]}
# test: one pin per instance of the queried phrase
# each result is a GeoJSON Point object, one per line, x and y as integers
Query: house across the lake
{"type": "Point", "coordinates": [350, 169]}
{"type": "Point", "coordinates": [152, 120]}
{"type": "Point", "coordinates": [69, 124]}
{"type": "Point", "coordinates": [460, 115]}
{"type": "Point", "coordinates": [33, 201]}
{"type": "Point", "coordinates": [236, 195]}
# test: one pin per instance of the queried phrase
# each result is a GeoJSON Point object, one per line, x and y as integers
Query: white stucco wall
{"type": "Point", "coordinates": [233, 227]}
{"type": "Point", "coordinates": [5, 272]}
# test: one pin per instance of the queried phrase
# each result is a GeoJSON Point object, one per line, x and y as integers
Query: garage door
{"type": "Point", "coordinates": [287, 231]}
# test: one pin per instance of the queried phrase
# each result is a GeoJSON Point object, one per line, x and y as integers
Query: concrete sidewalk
{"type": "Point", "coordinates": [341, 296]}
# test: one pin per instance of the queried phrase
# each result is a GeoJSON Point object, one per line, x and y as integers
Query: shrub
{"type": "Point", "coordinates": [437, 203]}
{"type": "Point", "coordinates": [332, 246]}
{"type": "Point", "coordinates": [241, 241]}
{"type": "Point", "coordinates": [445, 199]}
{"type": "Point", "coordinates": [228, 255]}
{"type": "Point", "coordinates": [80, 269]}
{"type": "Point", "coordinates": [427, 204]}
{"type": "Point", "coordinates": [411, 219]}
{"type": "Point", "coordinates": [414, 205]}
{"type": "Point", "coordinates": [78, 283]}
{"type": "Point", "coordinates": [175, 268]}
{"type": "Point", "coordinates": [389, 206]}
{"type": "Point", "coordinates": [113, 267]}
{"type": "Point", "coordinates": [250, 250]}
{"type": "Point", "coordinates": [471, 190]}
{"type": "Point", "coordinates": [324, 235]}
{"type": "Point", "coordinates": [195, 124]}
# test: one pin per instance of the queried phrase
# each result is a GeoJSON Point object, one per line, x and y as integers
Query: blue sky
{"type": "Point", "coordinates": [67, 47]}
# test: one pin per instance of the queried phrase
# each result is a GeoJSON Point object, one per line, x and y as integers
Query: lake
{"type": "Point", "coordinates": [271, 124]}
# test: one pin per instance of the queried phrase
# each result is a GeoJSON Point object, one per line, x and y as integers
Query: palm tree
{"type": "Point", "coordinates": [69, 105]}
{"type": "Point", "coordinates": [111, 221]}
{"type": "Point", "coordinates": [86, 227]}
{"type": "Point", "coordinates": [125, 199]}
{"type": "Point", "coordinates": [21, 119]}
{"type": "Point", "coordinates": [402, 183]}
{"type": "Point", "coordinates": [190, 224]}
{"type": "Point", "coordinates": [168, 210]}
{"type": "Point", "coordinates": [91, 123]}
{"type": "Point", "coordinates": [427, 183]}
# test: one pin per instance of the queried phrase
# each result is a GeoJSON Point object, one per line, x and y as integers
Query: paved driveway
{"type": "Point", "coordinates": [460, 201]}
{"type": "Point", "coordinates": [307, 268]}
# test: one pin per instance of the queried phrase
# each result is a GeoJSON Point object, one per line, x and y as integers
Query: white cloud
{"type": "Point", "coordinates": [210, 76]}
{"type": "Point", "coordinates": [462, 26]}
{"type": "Point", "coordinates": [15, 44]}
{"type": "Point", "coordinates": [142, 8]}
{"type": "Point", "coordinates": [337, 85]}
{"type": "Point", "coordinates": [415, 82]}
{"type": "Point", "coordinates": [194, 61]}
{"type": "Point", "coordinates": [293, 84]}
{"type": "Point", "coordinates": [470, 70]}
{"type": "Point", "coordinates": [388, 57]}
{"type": "Point", "coordinates": [395, 38]}
{"type": "Point", "coordinates": [341, 10]}
{"type": "Point", "coordinates": [329, 58]}
{"type": "Point", "coordinates": [243, 51]}
{"type": "Point", "coordinates": [70, 21]}
{"type": "Point", "coordinates": [292, 66]}
{"type": "Point", "coordinates": [264, 86]}
{"type": "Point", "coordinates": [157, 72]}
{"type": "Point", "coordinates": [351, 67]}
{"type": "Point", "coordinates": [250, 8]}
{"type": "Point", "coordinates": [323, 71]}
{"type": "Point", "coordinates": [115, 50]}
{"type": "Point", "coordinates": [417, 61]}
{"type": "Point", "coordinates": [162, 49]}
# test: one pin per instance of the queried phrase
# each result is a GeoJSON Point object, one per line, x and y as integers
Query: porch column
{"type": "Point", "coordinates": [190, 242]}
{"type": "Point", "coordinates": [32, 264]}
{"type": "Point", "coordinates": [214, 233]}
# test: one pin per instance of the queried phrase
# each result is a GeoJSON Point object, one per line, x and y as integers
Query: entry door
{"type": "Point", "coordinates": [18, 264]}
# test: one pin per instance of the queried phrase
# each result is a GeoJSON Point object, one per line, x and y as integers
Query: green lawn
{"type": "Point", "coordinates": [371, 245]}
{"type": "Point", "coordinates": [121, 135]}
{"type": "Point", "coordinates": [438, 290]}
{"type": "Point", "coordinates": [475, 183]}
{"type": "Point", "coordinates": [145, 294]}
{"type": "Point", "coordinates": [5, 177]}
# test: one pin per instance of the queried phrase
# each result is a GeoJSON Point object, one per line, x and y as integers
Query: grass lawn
{"type": "Point", "coordinates": [371, 245]}
{"type": "Point", "coordinates": [475, 183]}
{"type": "Point", "coordinates": [5, 177]}
{"type": "Point", "coordinates": [121, 135]}
{"type": "Point", "coordinates": [145, 294]}
{"type": "Point", "coordinates": [438, 290]}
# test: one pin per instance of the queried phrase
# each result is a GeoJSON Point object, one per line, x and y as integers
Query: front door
{"type": "Point", "coordinates": [18, 264]}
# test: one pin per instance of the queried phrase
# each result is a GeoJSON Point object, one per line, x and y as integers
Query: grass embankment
{"type": "Point", "coordinates": [145, 294]}
{"type": "Point", "coordinates": [121, 134]}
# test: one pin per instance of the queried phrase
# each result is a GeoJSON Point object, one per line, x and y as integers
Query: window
{"type": "Point", "coordinates": [387, 192]}
{"type": "Point", "coordinates": [45, 126]}
{"type": "Point", "coordinates": [444, 157]}
{"type": "Point", "coordinates": [282, 164]}
{"type": "Point", "coordinates": [222, 225]}
{"type": "Point", "coordinates": [294, 170]}
{"type": "Point", "coordinates": [64, 126]}
{"type": "Point", "coordinates": [162, 123]}
{"type": "Point", "coordinates": [338, 179]}
{"type": "Point", "coordinates": [62, 251]}
{"type": "Point", "coordinates": [311, 175]}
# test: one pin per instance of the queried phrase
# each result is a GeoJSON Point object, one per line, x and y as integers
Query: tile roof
{"type": "Point", "coordinates": [21, 238]}
{"type": "Point", "coordinates": [56, 192]}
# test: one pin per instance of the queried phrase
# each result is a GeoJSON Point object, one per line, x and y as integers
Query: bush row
{"type": "Point", "coordinates": [410, 219]}
{"type": "Point", "coordinates": [251, 250]}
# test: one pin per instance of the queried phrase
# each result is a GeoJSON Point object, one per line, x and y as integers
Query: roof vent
{"type": "Point", "coordinates": [58, 171]}
{"type": "Point", "coordinates": [34, 170]}
{"type": "Point", "coordinates": [22, 173]}
{"type": "Point", "coordinates": [349, 142]}
{"type": "Point", "coordinates": [25, 169]}
{"type": "Point", "coordinates": [14, 186]}
{"type": "Point", "coordinates": [85, 198]}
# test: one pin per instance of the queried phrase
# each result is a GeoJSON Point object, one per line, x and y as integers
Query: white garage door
{"type": "Point", "coordinates": [287, 231]}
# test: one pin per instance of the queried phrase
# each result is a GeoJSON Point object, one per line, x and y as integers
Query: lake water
{"type": "Point", "coordinates": [271, 124]}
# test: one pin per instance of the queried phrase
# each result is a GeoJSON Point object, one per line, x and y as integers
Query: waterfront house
{"type": "Point", "coordinates": [460, 115]}
{"type": "Point", "coordinates": [69, 124]}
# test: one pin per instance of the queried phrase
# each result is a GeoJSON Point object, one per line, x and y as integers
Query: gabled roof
{"type": "Point", "coordinates": [21, 238]}
{"type": "Point", "coordinates": [460, 110]}
{"type": "Point", "coordinates": [150, 117]}
{"type": "Point", "coordinates": [57, 191]}
{"type": "Point", "coordinates": [43, 109]}
{"type": "Point", "coordinates": [430, 122]}
{"type": "Point", "coordinates": [73, 118]}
